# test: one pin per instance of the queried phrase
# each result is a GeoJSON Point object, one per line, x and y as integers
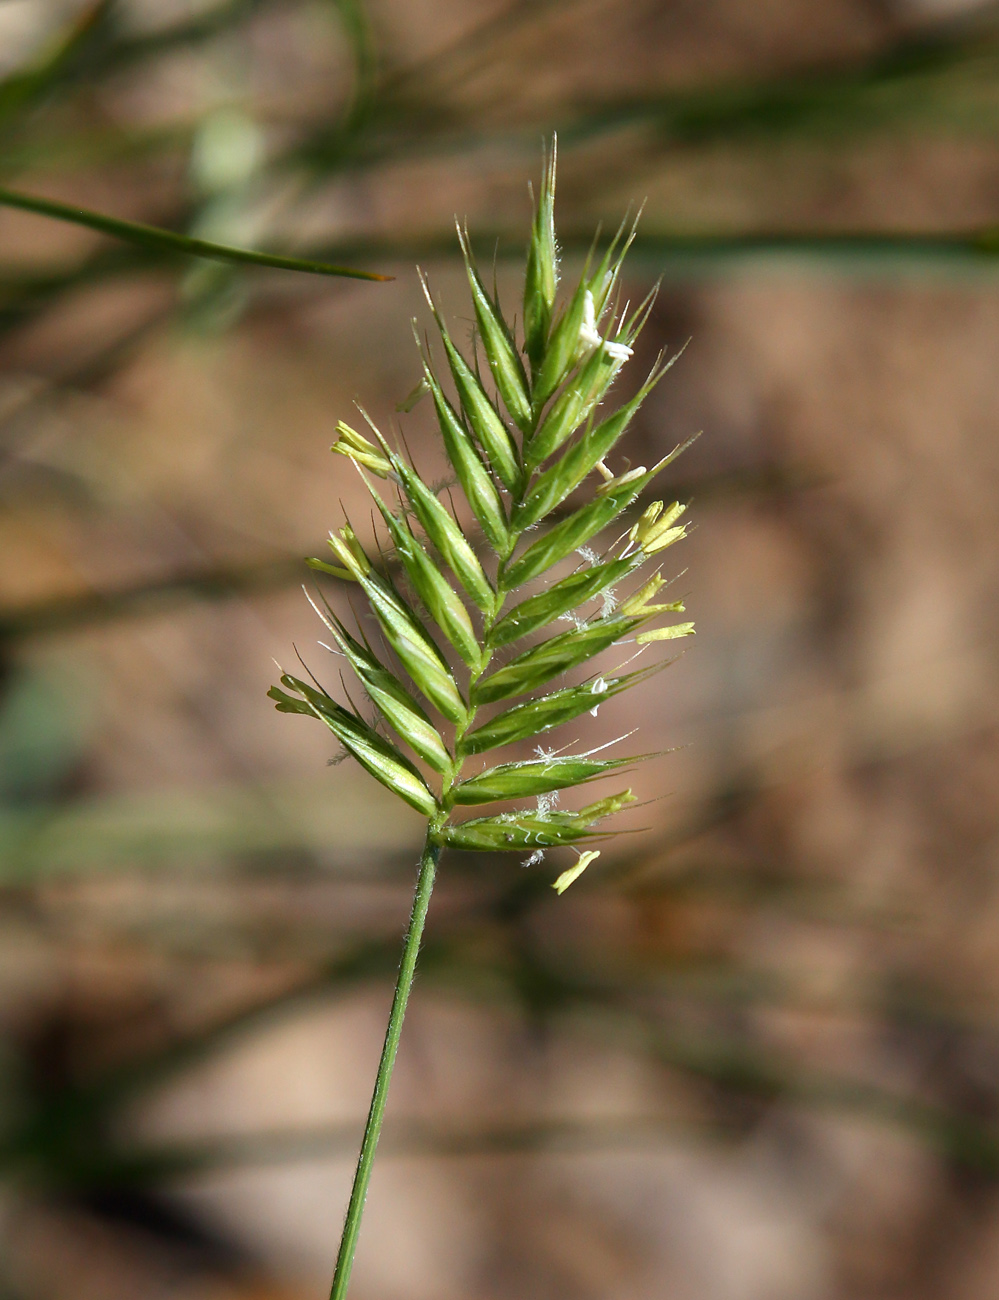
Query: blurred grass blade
{"type": "Point", "coordinates": [169, 241]}
{"type": "Point", "coordinates": [357, 28]}
{"type": "Point", "coordinates": [22, 87]}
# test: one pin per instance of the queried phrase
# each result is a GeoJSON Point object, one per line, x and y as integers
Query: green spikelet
{"type": "Point", "coordinates": [517, 461]}
{"type": "Point", "coordinates": [541, 273]}
{"type": "Point", "coordinates": [535, 460]}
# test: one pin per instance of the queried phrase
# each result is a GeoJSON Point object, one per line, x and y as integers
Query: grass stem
{"type": "Point", "coordinates": [376, 1112]}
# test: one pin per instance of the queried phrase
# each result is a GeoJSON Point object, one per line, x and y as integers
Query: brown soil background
{"type": "Point", "coordinates": [754, 1055]}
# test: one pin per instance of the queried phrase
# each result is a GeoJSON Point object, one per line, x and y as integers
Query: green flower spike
{"type": "Point", "coordinates": [494, 600]}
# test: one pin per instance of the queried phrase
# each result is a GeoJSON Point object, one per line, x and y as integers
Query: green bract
{"type": "Point", "coordinates": [558, 654]}
{"type": "Point", "coordinates": [537, 716]}
{"type": "Point", "coordinates": [529, 779]}
{"type": "Point", "coordinates": [575, 590]}
{"type": "Point", "coordinates": [541, 273]}
{"type": "Point", "coordinates": [463, 650]}
{"type": "Point", "coordinates": [532, 830]}
{"type": "Point", "coordinates": [381, 758]}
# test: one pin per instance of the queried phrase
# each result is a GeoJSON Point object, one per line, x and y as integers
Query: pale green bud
{"type": "Point", "coordinates": [349, 550]}
{"type": "Point", "coordinates": [661, 540]}
{"type": "Point", "coordinates": [665, 633]}
{"type": "Point", "coordinates": [654, 531]}
{"type": "Point", "coordinates": [612, 483]}
{"type": "Point", "coordinates": [362, 452]}
{"type": "Point", "coordinates": [638, 604]}
{"type": "Point", "coordinates": [645, 521]}
{"type": "Point", "coordinates": [594, 812]}
{"type": "Point", "coordinates": [567, 877]}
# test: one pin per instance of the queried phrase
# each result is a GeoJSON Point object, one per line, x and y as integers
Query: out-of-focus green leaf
{"type": "Point", "coordinates": [21, 88]}
{"type": "Point", "coordinates": [169, 241]}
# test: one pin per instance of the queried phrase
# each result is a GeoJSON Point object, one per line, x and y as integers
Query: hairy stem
{"type": "Point", "coordinates": [376, 1112]}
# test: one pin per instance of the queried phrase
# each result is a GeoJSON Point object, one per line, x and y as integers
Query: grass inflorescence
{"type": "Point", "coordinates": [459, 608]}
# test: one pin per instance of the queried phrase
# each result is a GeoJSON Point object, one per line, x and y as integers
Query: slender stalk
{"type": "Point", "coordinates": [376, 1112]}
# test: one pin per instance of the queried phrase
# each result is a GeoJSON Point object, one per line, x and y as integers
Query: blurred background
{"type": "Point", "coordinates": [754, 1053]}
